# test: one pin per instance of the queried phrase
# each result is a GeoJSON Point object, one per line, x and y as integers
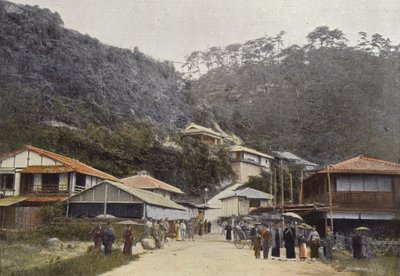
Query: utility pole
{"type": "Point", "coordinates": [275, 187]}
{"type": "Point", "coordinates": [291, 188]}
{"type": "Point", "coordinates": [282, 186]}
{"type": "Point", "coordinates": [330, 196]}
{"type": "Point", "coordinates": [301, 188]}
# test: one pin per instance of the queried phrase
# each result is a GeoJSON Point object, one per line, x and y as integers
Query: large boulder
{"type": "Point", "coordinates": [148, 244]}
{"type": "Point", "coordinates": [137, 249]}
{"type": "Point", "coordinates": [53, 243]}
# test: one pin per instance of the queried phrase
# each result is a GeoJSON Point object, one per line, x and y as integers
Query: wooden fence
{"type": "Point", "coordinates": [379, 247]}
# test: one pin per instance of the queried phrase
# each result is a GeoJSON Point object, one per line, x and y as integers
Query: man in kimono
{"type": "Point", "coordinates": [107, 239]}
{"type": "Point", "coordinates": [289, 236]}
{"type": "Point", "coordinates": [96, 238]}
{"type": "Point", "coordinates": [127, 239]}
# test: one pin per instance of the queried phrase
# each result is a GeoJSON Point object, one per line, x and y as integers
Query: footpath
{"type": "Point", "coordinates": [211, 255]}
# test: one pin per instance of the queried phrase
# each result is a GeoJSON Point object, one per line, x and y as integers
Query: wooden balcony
{"type": "Point", "coordinates": [48, 190]}
{"type": "Point", "coordinates": [364, 200]}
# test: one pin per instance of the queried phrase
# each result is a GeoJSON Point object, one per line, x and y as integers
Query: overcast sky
{"type": "Point", "coordinates": [172, 29]}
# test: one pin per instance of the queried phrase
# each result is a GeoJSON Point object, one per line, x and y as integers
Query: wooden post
{"type": "Point", "coordinates": [330, 197]}
{"type": "Point", "coordinates": [291, 188]}
{"type": "Point", "coordinates": [105, 200]}
{"type": "Point", "coordinates": [270, 183]}
{"type": "Point", "coordinates": [282, 186]}
{"type": "Point", "coordinates": [275, 187]}
{"type": "Point", "coordinates": [301, 188]}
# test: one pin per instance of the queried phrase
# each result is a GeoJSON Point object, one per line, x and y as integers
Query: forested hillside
{"type": "Point", "coordinates": [324, 100]}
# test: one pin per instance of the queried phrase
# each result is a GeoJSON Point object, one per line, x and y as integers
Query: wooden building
{"type": "Point", "coordinates": [116, 199]}
{"type": "Point", "coordinates": [241, 202]}
{"type": "Point", "coordinates": [33, 177]}
{"type": "Point", "coordinates": [204, 134]}
{"type": "Point", "coordinates": [146, 182]}
{"type": "Point", "coordinates": [365, 192]}
{"type": "Point", "coordinates": [248, 162]}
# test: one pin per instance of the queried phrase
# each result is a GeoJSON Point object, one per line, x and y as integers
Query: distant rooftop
{"type": "Point", "coordinates": [149, 183]}
{"type": "Point", "coordinates": [292, 157]}
{"type": "Point", "coordinates": [249, 150]}
{"type": "Point", "coordinates": [249, 193]}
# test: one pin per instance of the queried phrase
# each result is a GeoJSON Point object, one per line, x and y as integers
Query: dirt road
{"type": "Point", "coordinates": [212, 256]}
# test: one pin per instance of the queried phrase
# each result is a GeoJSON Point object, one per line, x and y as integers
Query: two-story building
{"type": "Point", "coordinates": [364, 192]}
{"type": "Point", "coordinates": [31, 177]}
{"type": "Point", "coordinates": [146, 182]}
{"type": "Point", "coordinates": [285, 158]}
{"type": "Point", "coordinates": [248, 162]}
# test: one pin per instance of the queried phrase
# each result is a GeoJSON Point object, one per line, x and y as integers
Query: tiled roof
{"type": "Point", "coordinates": [250, 194]}
{"type": "Point", "coordinates": [47, 169]}
{"type": "Point", "coordinates": [147, 196]}
{"type": "Point", "coordinates": [364, 165]}
{"type": "Point", "coordinates": [43, 199]}
{"type": "Point", "coordinates": [75, 165]}
{"type": "Point", "coordinates": [148, 182]}
{"type": "Point", "coordinates": [249, 150]}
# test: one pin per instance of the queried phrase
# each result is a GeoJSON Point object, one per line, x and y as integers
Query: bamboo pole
{"type": "Point", "coordinates": [291, 187]}
{"type": "Point", "coordinates": [282, 186]}
{"type": "Point", "coordinates": [270, 182]}
{"type": "Point", "coordinates": [330, 197]}
{"type": "Point", "coordinates": [301, 188]}
{"type": "Point", "coordinates": [275, 187]}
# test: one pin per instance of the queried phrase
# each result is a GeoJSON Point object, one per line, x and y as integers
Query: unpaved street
{"type": "Point", "coordinates": [212, 256]}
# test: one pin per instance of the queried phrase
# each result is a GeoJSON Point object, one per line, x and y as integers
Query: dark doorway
{"type": "Point", "coordinates": [26, 183]}
{"type": "Point", "coordinates": [50, 182]}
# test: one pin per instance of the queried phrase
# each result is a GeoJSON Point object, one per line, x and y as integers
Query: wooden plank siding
{"type": "Point", "coordinates": [316, 191]}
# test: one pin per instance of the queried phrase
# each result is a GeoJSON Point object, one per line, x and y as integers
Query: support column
{"type": "Point", "coordinates": [72, 182]}
{"type": "Point", "coordinates": [17, 183]}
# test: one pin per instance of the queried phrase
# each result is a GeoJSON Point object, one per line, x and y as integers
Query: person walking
{"type": "Point", "coordinates": [329, 242]}
{"type": "Point", "coordinates": [276, 245]}
{"type": "Point", "coordinates": [289, 236]}
{"type": "Point", "coordinates": [189, 230]}
{"type": "Point", "coordinates": [228, 229]}
{"type": "Point", "coordinates": [96, 238]}
{"type": "Point", "coordinates": [182, 230]}
{"type": "Point", "coordinates": [127, 239]}
{"type": "Point", "coordinates": [165, 230]}
{"type": "Point", "coordinates": [156, 234]}
{"type": "Point", "coordinates": [313, 240]}
{"type": "Point", "coordinates": [107, 239]}
{"type": "Point", "coordinates": [177, 232]}
{"type": "Point", "coordinates": [201, 228]}
{"type": "Point", "coordinates": [302, 246]}
{"type": "Point", "coordinates": [265, 235]}
{"type": "Point", "coordinates": [257, 246]}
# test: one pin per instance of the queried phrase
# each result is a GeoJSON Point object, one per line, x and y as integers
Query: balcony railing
{"type": "Point", "coordinates": [374, 200]}
{"type": "Point", "coordinates": [47, 190]}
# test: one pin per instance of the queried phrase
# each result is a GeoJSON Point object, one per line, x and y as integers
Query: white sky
{"type": "Point", "coordinates": [172, 29]}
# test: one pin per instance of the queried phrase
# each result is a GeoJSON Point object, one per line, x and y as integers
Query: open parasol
{"type": "Point", "coordinates": [292, 216]}
{"type": "Point", "coordinates": [362, 228]}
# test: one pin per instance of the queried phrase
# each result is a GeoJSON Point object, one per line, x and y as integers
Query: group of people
{"type": "Point", "coordinates": [204, 227]}
{"type": "Point", "coordinates": [184, 229]}
{"type": "Point", "coordinates": [105, 236]}
{"type": "Point", "coordinates": [267, 238]}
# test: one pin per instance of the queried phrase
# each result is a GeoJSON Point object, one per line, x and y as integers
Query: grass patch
{"type": "Point", "coordinates": [80, 265]}
{"type": "Point", "coordinates": [380, 265]}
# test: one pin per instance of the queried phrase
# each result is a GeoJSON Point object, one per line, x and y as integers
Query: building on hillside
{"type": "Point", "coordinates": [248, 162]}
{"type": "Point", "coordinates": [365, 192]}
{"type": "Point", "coordinates": [31, 177]}
{"type": "Point", "coordinates": [205, 135]}
{"type": "Point", "coordinates": [146, 182]}
{"type": "Point", "coordinates": [241, 202]}
{"type": "Point", "coordinates": [116, 199]}
{"type": "Point", "coordinates": [285, 158]}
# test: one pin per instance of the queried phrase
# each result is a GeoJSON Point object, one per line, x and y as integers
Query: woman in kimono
{"type": "Point", "coordinates": [257, 246]}
{"type": "Point", "coordinates": [313, 240]}
{"type": "Point", "coordinates": [228, 229]}
{"type": "Point", "coordinates": [329, 241]}
{"type": "Point", "coordinates": [302, 246]}
{"type": "Point", "coordinates": [276, 243]}
{"type": "Point", "coordinates": [177, 231]}
{"type": "Point", "coordinates": [127, 239]}
{"type": "Point", "coordinates": [96, 238]}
